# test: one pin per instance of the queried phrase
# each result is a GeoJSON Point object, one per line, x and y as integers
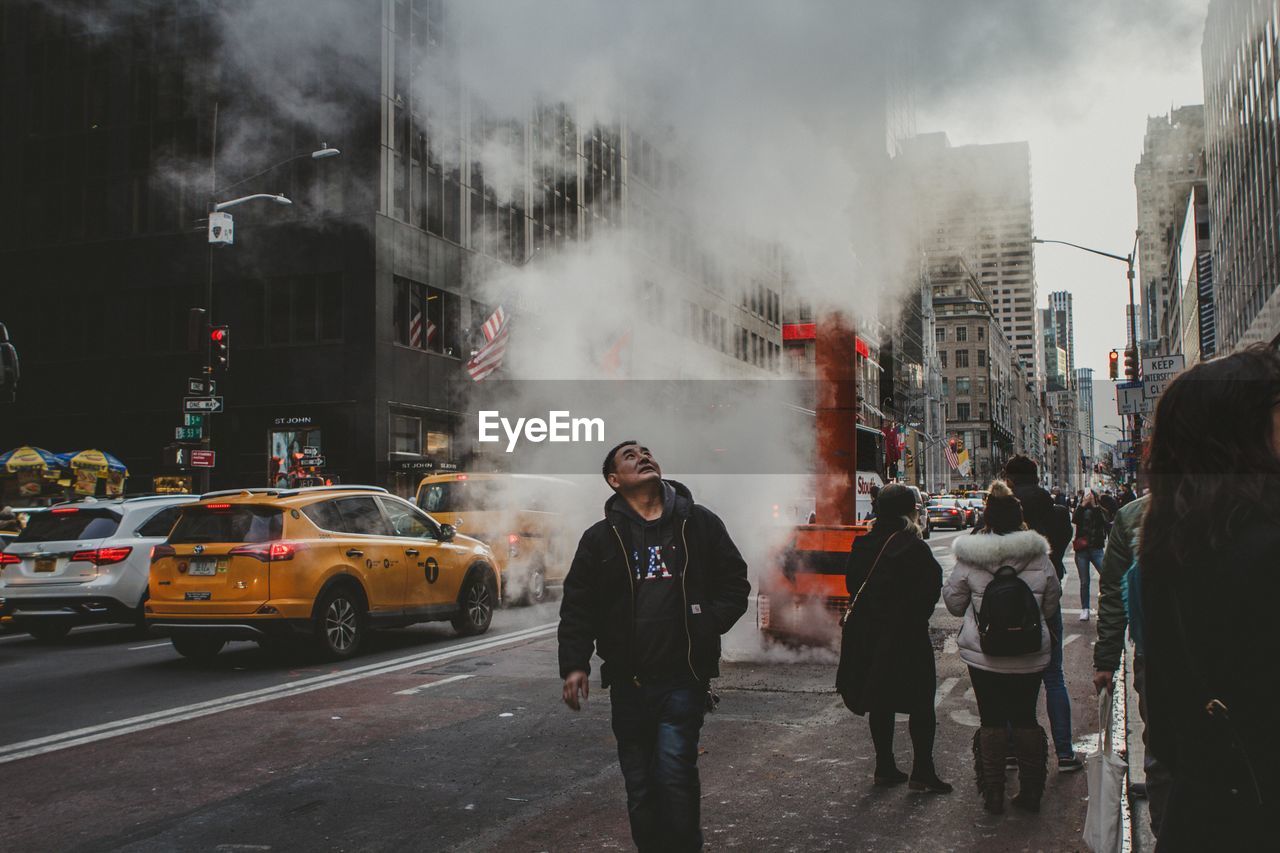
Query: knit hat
{"type": "Point", "coordinates": [895, 500]}
{"type": "Point", "coordinates": [1003, 512]}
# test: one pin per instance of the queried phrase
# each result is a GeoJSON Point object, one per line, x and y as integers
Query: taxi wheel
{"type": "Point", "coordinates": [47, 631]}
{"type": "Point", "coordinates": [201, 649]}
{"type": "Point", "coordinates": [340, 624]}
{"type": "Point", "coordinates": [476, 600]}
{"type": "Point", "coordinates": [536, 592]}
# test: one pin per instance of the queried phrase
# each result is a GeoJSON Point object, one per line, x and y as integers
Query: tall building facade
{"type": "Point", "coordinates": [1064, 327]}
{"type": "Point", "coordinates": [354, 310]}
{"type": "Point", "coordinates": [1240, 56]}
{"type": "Point", "coordinates": [975, 201]}
{"type": "Point", "coordinates": [979, 372]}
{"type": "Point", "coordinates": [1190, 326]}
{"type": "Point", "coordinates": [1085, 422]}
{"type": "Point", "coordinates": [1172, 160]}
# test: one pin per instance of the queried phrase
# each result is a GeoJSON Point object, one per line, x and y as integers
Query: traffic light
{"type": "Point", "coordinates": [220, 347]}
{"type": "Point", "coordinates": [197, 328]}
{"type": "Point", "coordinates": [1113, 364]}
{"type": "Point", "coordinates": [1131, 363]}
{"type": "Point", "coordinates": [952, 443]}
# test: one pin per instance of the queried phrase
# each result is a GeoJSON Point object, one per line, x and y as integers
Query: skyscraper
{"type": "Point", "coordinates": [1241, 60]}
{"type": "Point", "coordinates": [1172, 157]}
{"type": "Point", "coordinates": [975, 201]}
{"type": "Point", "coordinates": [1064, 332]}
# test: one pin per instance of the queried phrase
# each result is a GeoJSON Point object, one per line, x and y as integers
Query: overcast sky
{"type": "Point", "coordinates": [1085, 122]}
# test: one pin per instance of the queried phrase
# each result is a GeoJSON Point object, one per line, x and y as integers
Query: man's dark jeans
{"type": "Point", "coordinates": [657, 727]}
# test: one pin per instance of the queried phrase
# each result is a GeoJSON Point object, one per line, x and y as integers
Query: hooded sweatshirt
{"type": "Point", "coordinates": [977, 559]}
{"type": "Point", "coordinates": [656, 558]}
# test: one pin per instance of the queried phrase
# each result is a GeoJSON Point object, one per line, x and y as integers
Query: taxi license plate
{"type": "Point", "coordinates": [207, 567]}
{"type": "Point", "coordinates": [46, 564]}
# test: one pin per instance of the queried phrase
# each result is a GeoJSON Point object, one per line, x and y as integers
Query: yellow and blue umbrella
{"type": "Point", "coordinates": [28, 459]}
{"type": "Point", "coordinates": [92, 460]}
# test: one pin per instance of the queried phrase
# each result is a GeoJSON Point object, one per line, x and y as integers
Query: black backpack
{"type": "Point", "coordinates": [1009, 621]}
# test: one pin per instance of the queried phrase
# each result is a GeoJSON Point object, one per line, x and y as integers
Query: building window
{"type": "Point", "coordinates": [982, 332]}
{"type": "Point", "coordinates": [406, 434]}
{"type": "Point", "coordinates": [940, 334]}
{"type": "Point", "coordinates": [962, 411]}
{"type": "Point", "coordinates": [982, 358]}
{"type": "Point", "coordinates": [962, 333]}
{"type": "Point", "coordinates": [426, 318]}
{"type": "Point", "coordinates": [945, 383]}
{"type": "Point", "coordinates": [303, 310]}
{"type": "Point", "coordinates": [962, 358]}
{"type": "Point", "coordinates": [982, 438]}
{"type": "Point", "coordinates": [962, 384]}
{"type": "Point", "coordinates": [942, 358]}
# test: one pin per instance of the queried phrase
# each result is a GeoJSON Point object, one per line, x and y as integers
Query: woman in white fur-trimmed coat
{"type": "Point", "coordinates": [1007, 688]}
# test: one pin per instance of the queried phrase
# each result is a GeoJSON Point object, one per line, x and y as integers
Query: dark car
{"type": "Point", "coordinates": [948, 512]}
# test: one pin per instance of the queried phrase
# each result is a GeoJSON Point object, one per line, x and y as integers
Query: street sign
{"type": "Point", "coordinates": [202, 458]}
{"type": "Point", "coordinates": [1158, 372]}
{"type": "Point", "coordinates": [312, 462]}
{"type": "Point", "coordinates": [202, 404]}
{"type": "Point", "coordinates": [1130, 399]}
{"type": "Point", "coordinates": [193, 420]}
{"type": "Point", "coordinates": [310, 451]}
{"type": "Point", "coordinates": [201, 386]}
{"type": "Point", "coordinates": [188, 433]}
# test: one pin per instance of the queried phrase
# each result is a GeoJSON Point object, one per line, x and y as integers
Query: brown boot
{"type": "Point", "coordinates": [1032, 748]}
{"type": "Point", "coordinates": [988, 766]}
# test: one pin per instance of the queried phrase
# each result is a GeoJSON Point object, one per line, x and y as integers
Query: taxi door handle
{"type": "Point", "coordinates": [354, 552]}
{"type": "Point", "coordinates": [411, 552]}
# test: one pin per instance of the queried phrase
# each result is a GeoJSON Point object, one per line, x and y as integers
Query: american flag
{"type": "Point", "coordinates": [950, 453]}
{"type": "Point", "coordinates": [415, 327]}
{"type": "Point", "coordinates": [489, 358]}
{"type": "Point", "coordinates": [493, 326]}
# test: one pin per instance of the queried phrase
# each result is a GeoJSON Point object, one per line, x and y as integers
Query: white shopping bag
{"type": "Point", "coordinates": [1106, 772]}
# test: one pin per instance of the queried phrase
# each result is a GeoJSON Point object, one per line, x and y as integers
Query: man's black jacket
{"type": "Point", "coordinates": [597, 611]}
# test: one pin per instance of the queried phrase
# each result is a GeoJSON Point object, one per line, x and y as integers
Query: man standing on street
{"type": "Point", "coordinates": [651, 589]}
{"type": "Point", "coordinates": [1113, 619]}
{"type": "Point", "coordinates": [1053, 522]}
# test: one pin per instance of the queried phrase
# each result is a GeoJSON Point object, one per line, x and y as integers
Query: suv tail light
{"type": "Point", "coordinates": [159, 552]}
{"type": "Point", "coordinates": [102, 556]}
{"type": "Point", "coordinates": [9, 559]}
{"type": "Point", "coordinates": [513, 544]}
{"type": "Point", "coordinates": [267, 552]}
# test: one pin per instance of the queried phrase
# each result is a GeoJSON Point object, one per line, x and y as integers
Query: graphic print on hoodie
{"type": "Point", "coordinates": [657, 560]}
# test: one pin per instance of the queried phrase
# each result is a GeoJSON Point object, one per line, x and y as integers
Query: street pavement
{"type": "Point", "coordinates": [110, 741]}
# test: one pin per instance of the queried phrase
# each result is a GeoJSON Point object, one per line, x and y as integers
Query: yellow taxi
{"type": "Point", "coordinates": [325, 563]}
{"type": "Point", "coordinates": [521, 517]}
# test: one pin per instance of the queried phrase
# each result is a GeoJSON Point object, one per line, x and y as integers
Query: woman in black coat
{"type": "Point", "coordinates": [886, 659]}
{"type": "Point", "coordinates": [1208, 556]}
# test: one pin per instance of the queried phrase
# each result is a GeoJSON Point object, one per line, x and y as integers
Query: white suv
{"type": "Point", "coordinates": [82, 562]}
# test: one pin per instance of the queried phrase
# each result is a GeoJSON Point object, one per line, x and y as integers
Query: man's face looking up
{"type": "Point", "coordinates": [633, 465]}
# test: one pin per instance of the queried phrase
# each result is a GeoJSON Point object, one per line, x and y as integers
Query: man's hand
{"type": "Point", "coordinates": [576, 683]}
{"type": "Point", "coordinates": [1103, 681]}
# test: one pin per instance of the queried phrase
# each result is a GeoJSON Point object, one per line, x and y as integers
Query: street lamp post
{"type": "Point", "coordinates": [1135, 374]}
{"type": "Point", "coordinates": [216, 237]}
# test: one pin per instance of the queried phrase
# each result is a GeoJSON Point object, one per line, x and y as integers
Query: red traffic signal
{"type": "Point", "coordinates": [220, 347]}
{"type": "Point", "coordinates": [1113, 364]}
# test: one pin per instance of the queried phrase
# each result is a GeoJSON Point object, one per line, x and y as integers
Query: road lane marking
{"type": "Point", "coordinates": [949, 646]}
{"type": "Point", "coordinates": [1071, 638]}
{"type": "Point", "coordinates": [92, 734]}
{"type": "Point", "coordinates": [414, 691]}
{"type": "Point", "coordinates": [152, 646]}
{"type": "Point", "coordinates": [79, 629]}
{"type": "Point", "coordinates": [943, 689]}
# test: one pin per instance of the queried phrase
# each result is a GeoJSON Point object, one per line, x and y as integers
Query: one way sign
{"type": "Point", "coordinates": [208, 405]}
